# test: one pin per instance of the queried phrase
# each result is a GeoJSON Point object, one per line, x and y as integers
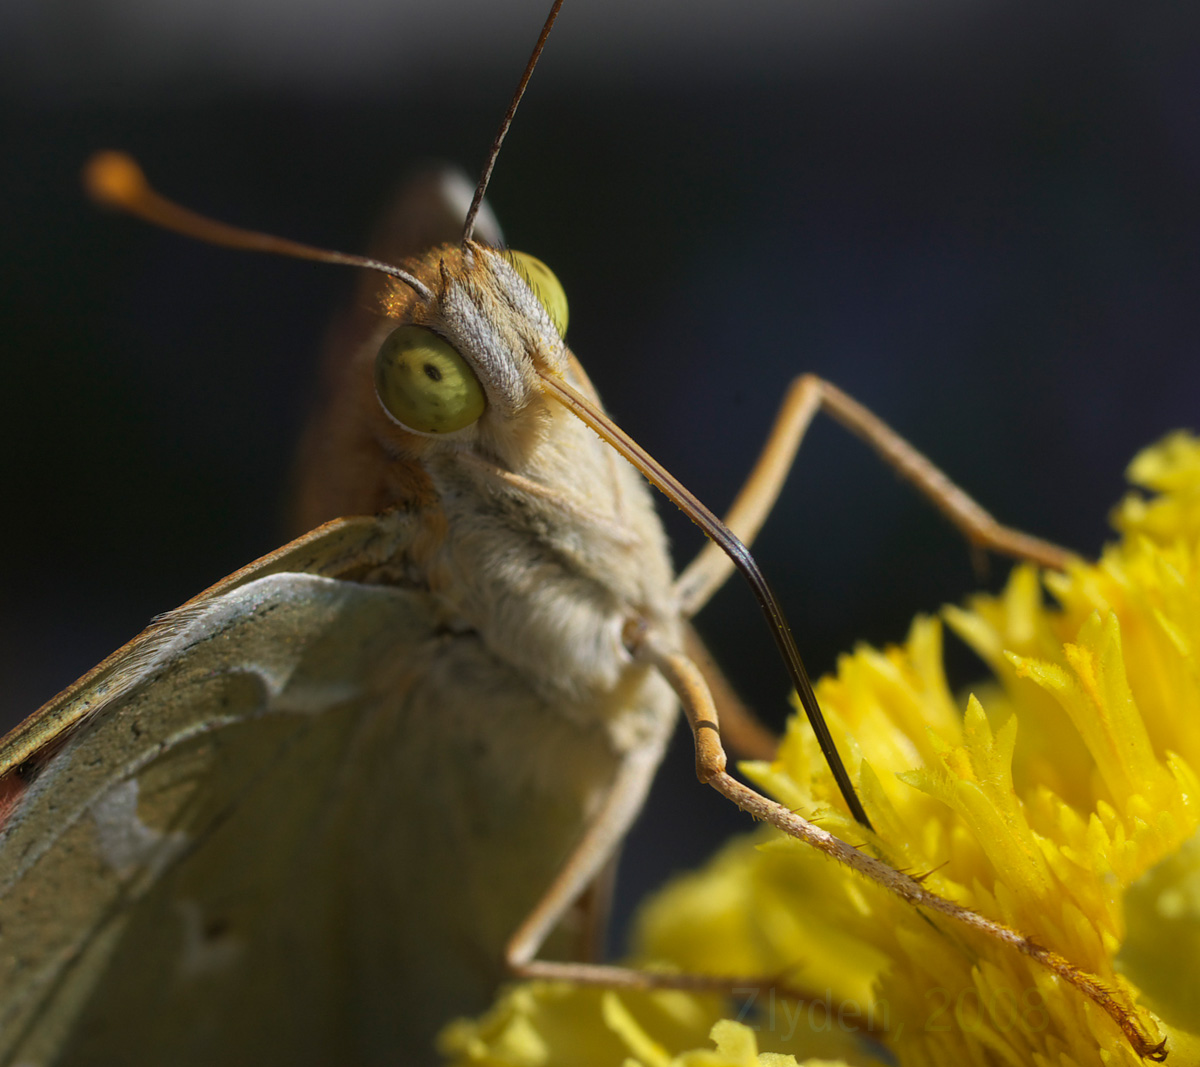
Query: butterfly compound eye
{"type": "Point", "coordinates": [546, 287]}
{"type": "Point", "coordinates": [424, 384]}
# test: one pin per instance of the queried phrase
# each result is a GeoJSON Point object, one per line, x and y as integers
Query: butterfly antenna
{"type": "Point", "coordinates": [490, 163]}
{"type": "Point", "coordinates": [115, 180]}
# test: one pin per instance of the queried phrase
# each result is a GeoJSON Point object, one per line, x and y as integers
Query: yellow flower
{"type": "Point", "coordinates": [1060, 798]}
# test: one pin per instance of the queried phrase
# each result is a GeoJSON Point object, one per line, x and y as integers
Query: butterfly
{"type": "Point", "coordinates": [215, 939]}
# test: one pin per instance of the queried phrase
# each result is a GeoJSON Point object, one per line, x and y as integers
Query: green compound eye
{"type": "Point", "coordinates": [424, 384]}
{"type": "Point", "coordinates": [546, 287]}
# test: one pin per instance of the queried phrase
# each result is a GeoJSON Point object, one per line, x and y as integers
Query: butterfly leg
{"type": "Point", "coordinates": [806, 396]}
{"type": "Point", "coordinates": [586, 862]}
{"type": "Point", "coordinates": [591, 913]}
{"type": "Point", "coordinates": [741, 730]}
{"type": "Point", "coordinates": [685, 678]}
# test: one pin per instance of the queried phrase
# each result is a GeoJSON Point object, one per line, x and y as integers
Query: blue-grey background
{"type": "Point", "coordinates": [981, 219]}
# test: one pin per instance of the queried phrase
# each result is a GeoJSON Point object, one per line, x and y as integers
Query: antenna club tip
{"type": "Point", "coordinates": [114, 179]}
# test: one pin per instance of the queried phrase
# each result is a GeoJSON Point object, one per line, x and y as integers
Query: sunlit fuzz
{"type": "Point", "coordinates": [1059, 797]}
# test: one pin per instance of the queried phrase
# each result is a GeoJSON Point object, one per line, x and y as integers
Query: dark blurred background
{"type": "Point", "coordinates": [981, 220]}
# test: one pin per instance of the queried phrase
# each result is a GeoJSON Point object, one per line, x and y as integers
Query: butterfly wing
{"type": "Point", "coordinates": [188, 821]}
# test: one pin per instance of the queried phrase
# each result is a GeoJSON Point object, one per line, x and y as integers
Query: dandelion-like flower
{"type": "Point", "coordinates": [1060, 799]}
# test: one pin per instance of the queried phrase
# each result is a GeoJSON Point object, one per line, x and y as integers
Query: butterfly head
{"type": "Point", "coordinates": [466, 360]}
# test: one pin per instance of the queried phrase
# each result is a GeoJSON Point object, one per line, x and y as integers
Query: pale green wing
{"type": "Point", "coordinates": [193, 790]}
